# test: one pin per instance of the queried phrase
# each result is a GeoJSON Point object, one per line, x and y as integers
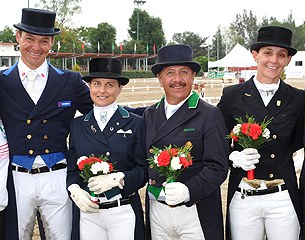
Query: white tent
{"type": "Point", "coordinates": [237, 57]}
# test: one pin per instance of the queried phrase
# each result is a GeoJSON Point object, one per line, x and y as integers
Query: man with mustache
{"type": "Point", "coordinates": [189, 208]}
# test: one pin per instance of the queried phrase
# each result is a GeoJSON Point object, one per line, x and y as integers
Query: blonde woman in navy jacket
{"type": "Point", "coordinates": [112, 131]}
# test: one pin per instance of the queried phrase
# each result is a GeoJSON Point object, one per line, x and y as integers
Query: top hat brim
{"type": "Point", "coordinates": [257, 45]}
{"type": "Point", "coordinates": [37, 30]}
{"type": "Point", "coordinates": [122, 80]}
{"type": "Point", "coordinates": [156, 68]}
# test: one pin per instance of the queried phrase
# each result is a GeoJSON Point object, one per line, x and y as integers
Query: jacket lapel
{"type": "Point", "coordinates": [253, 100]}
{"type": "Point", "coordinates": [90, 125]}
{"type": "Point", "coordinates": [11, 83]}
{"type": "Point", "coordinates": [119, 119]}
{"type": "Point", "coordinates": [280, 100]}
{"type": "Point", "coordinates": [187, 111]}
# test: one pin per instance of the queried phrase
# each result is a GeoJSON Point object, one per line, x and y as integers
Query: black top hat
{"type": "Point", "coordinates": [38, 21]}
{"type": "Point", "coordinates": [175, 55]}
{"type": "Point", "coordinates": [106, 68]}
{"type": "Point", "coordinates": [274, 36]}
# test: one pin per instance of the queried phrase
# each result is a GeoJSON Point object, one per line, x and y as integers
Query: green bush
{"type": "Point", "coordinates": [76, 68]}
{"type": "Point", "coordinates": [133, 74]}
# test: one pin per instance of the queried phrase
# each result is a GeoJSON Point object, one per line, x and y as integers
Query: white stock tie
{"type": "Point", "coordinates": [32, 91]}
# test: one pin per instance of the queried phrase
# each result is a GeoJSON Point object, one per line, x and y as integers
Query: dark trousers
{"type": "Point", "coordinates": [2, 224]}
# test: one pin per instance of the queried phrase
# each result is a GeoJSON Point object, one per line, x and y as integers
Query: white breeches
{"type": "Point", "coordinates": [117, 223]}
{"type": "Point", "coordinates": [46, 193]}
{"type": "Point", "coordinates": [272, 215]}
{"type": "Point", "coordinates": [176, 223]}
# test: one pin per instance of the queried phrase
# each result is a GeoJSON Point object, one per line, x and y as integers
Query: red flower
{"type": "Point", "coordinates": [255, 131]}
{"type": "Point", "coordinates": [170, 161]}
{"type": "Point", "coordinates": [85, 163]}
{"type": "Point", "coordinates": [185, 162]}
{"type": "Point", "coordinates": [245, 128]}
{"type": "Point", "coordinates": [111, 168]}
{"type": "Point", "coordinates": [164, 158]}
{"type": "Point", "coordinates": [233, 136]}
{"type": "Point", "coordinates": [174, 152]}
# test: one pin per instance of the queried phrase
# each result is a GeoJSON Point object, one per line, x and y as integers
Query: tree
{"type": "Point", "coordinates": [150, 31]}
{"type": "Point", "coordinates": [217, 49]}
{"type": "Point", "coordinates": [7, 35]}
{"type": "Point", "coordinates": [64, 9]}
{"type": "Point", "coordinates": [243, 30]}
{"type": "Point", "coordinates": [67, 41]}
{"type": "Point", "coordinates": [105, 34]}
{"type": "Point", "coordinates": [203, 61]}
{"type": "Point", "coordinates": [193, 40]}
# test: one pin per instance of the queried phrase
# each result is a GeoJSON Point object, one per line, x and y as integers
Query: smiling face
{"type": "Point", "coordinates": [177, 82]}
{"type": "Point", "coordinates": [104, 91]}
{"type": "Point", "coordinates": [271, 62]}
{"type": "Point", "coordinates": [34, 48]}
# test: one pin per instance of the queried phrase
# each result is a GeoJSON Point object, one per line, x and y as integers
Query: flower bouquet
{"type": "Point", "coordinates": [170, 161]}
{"type": "Point", "coordinates": [93, 166]}
{"type": "Point", "coordinates": [250, 134]}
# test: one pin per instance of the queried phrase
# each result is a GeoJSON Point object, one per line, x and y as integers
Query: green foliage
{"type": "Point", "coordinates": [7, 35]}
{"type": "Point", "coordinates": [203, 61]}
{"type": "Point", "coordinates": [133, 74]}
{"type": "Point", "coordinates": [76, 68]}
{"type": "Point", "coordinates": [64, 9]}
{"type": "Point", "coordinates": [283, 75]}
{"type": "Point", "coordinates": [105, 34]}
{"type": "Point", "coordinates": [193, 40]}
{"type": "Point", "coordinates": [150, 31]}
{"type": "Point", "coordinates": [217, 50]}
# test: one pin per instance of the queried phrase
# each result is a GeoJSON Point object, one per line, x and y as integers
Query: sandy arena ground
{"type": "Point", "coordinates": [150, 90]}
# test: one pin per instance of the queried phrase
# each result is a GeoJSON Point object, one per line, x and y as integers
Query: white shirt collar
{"type": "Point", "coordinates": [171, 109]}
{"type": "Point", "coordinates": [42, 70]}
{"type": "Point", "coordinates": [265, 90]}
{"type": "Point", "coordinates": [266, 86]}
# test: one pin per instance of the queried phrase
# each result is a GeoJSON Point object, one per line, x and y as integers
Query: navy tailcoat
{"type": "Point", "coordinates": [47, 122]}
{"type": "Point", "coordinates": [286, 109]}
{"type": "Point", "coordinates": [125, 150]}
{"type": "Point", "coordinates": [203, 125]}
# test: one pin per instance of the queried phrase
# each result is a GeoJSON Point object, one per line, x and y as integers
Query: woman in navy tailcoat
{"type": "Point", "coordinates": [112, 131]}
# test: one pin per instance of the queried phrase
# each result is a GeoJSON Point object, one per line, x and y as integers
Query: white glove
{"type": "Point", "coordinates": [82, 199]}
{"type": "Point", "coordinates": [103, 183]}
{"type": "Point", "coordinates": [245, 159]}
{"type": "Point", "coordinates": [176, 192]}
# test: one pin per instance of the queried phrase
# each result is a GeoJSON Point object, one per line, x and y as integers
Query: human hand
{"type": "Point", "coordinates": [176, 192]}
{"type": "Point", "coordinates": [82, 199]}
{"type": "Point", "coordinates": [246, 159]}
{"type": "Point", "coordinates": [103, 183]}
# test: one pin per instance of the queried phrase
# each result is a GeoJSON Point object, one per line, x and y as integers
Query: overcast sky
{"type": "Point", "coordinates": [198, 16]}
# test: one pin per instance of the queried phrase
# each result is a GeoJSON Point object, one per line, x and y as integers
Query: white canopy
{"type": "Point", "coordinates": [237, 57]}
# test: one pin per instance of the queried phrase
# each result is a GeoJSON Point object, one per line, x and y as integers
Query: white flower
{"type": "Point", "coordinates": [236, 129]}
{"type": "Point", "coordinates": [266, 133]}
{"type": "Point", "coordinates": [81, 159]}
{"type": "Point", "coordinates": [100, 167]}
{"type": "Point", "coordinates": [156, 159]}
{"type": "Point", "coordinates": [175, 163]}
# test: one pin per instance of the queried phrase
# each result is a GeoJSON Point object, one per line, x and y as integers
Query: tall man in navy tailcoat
{"type": "Point", "coordinates": [37, 104]}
